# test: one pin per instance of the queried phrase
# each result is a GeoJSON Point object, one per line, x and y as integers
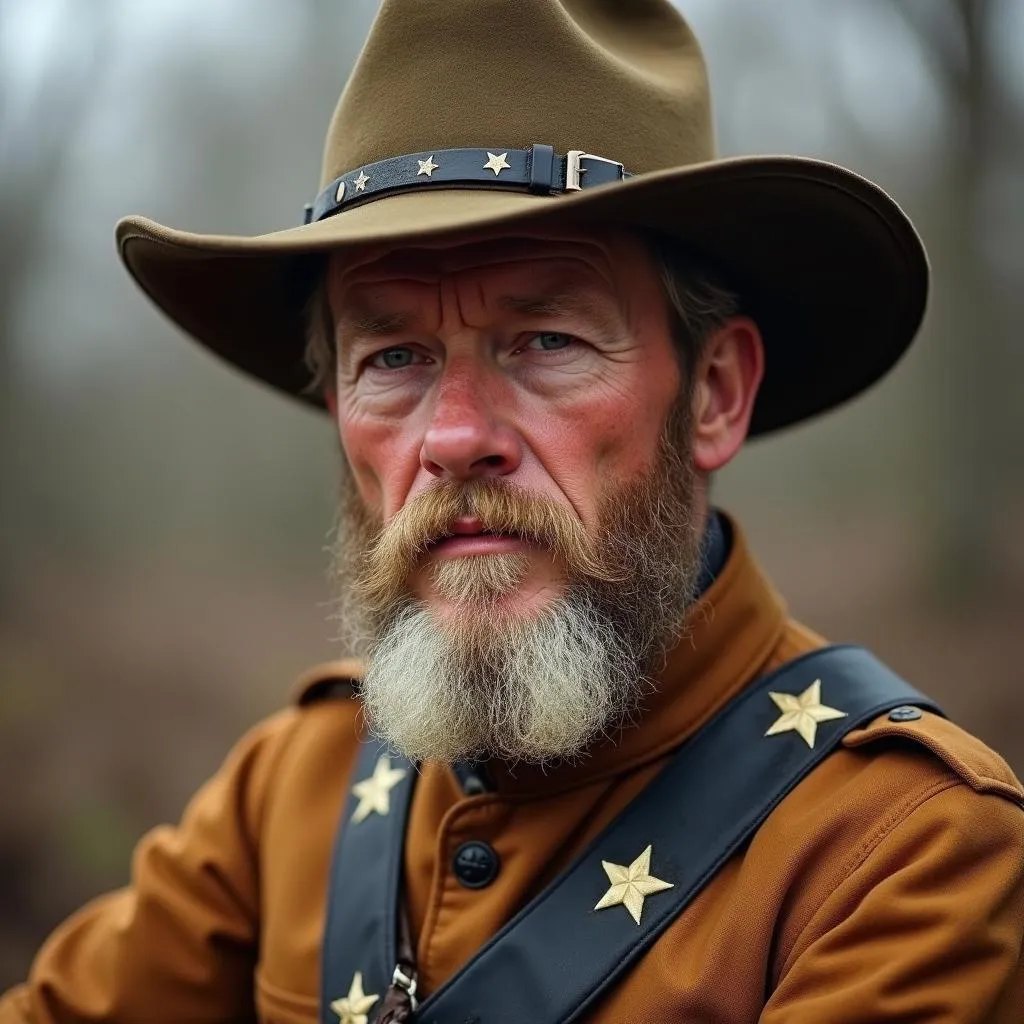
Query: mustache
{"type": "Point", "coordinates": [500, 507]}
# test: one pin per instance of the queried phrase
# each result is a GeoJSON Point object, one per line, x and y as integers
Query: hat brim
{"type": "Point", "coordinates": [824, 260]}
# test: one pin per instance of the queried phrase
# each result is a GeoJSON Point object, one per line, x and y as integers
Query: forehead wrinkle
{"type": "Point", "coordinates": [424, 260]}
{"type": "Point", "coordinates": [365, 322]}
{"type": "Point", "coordinates": [511, 252]}
{"type": "Point", "coordinates": [362, 315]}
{"type": "Point", "coordinates": [608, 309]}
{"type": "Point", "coordinates": [356, 294]}
{"type": "Point", "coordinates": [554, 304]}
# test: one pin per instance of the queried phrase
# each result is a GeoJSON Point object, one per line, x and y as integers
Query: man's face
{"type": "Point", "coordinates": [504, 406]}
{"type": "Point", "coordinates": [544, 363]}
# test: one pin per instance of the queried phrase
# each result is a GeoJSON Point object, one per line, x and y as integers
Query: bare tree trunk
{"type": "Point", "coordinates": [960, 506]}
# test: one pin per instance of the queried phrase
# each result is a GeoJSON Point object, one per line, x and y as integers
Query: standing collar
{"type": "Point", "coordinates": [714, 551]}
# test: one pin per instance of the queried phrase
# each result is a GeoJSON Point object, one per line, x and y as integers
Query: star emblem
{"type": "Point", "coordinates": [631, 885]}
{"type": "Point", "coordinates": [427, 166]}
{"type": "Point", "coordinates": [361, 181]}
{"type": "Point", "coordinates": [375, 792]}
{"type": "Point", "coordinates": [497, 162]}
{"type": "Point", "coordinates": [802, 714]}
{"type": "Point", "coordinates": [354, 1008]}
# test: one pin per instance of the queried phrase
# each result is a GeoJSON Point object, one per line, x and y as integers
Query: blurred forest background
{"type": "Point", "coordinates": [162, 521]}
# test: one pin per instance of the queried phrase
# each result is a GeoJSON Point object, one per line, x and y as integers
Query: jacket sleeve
{"type": "Point", "coordinates": [929, 925]}
{"type": "Point", "coordinates": [179, 943]}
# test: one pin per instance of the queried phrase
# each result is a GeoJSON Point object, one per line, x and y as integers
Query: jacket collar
{"type": "Point", "coordinates": [714, 552]}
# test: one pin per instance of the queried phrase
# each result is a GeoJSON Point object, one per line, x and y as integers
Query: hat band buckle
{"type": "Point", "coordinates": [573, 170]}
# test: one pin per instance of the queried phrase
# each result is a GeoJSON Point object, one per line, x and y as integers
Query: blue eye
{"type": "Point", "coordinates": [551, 341]}
{"type": "Point", "coordinates": [393, 358]}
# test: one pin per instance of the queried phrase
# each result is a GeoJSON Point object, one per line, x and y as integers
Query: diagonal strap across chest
{"type": "Point", "coordinates": [555, 958]}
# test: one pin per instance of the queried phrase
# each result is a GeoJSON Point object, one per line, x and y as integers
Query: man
{"type": "Point", "coordinates": [588, 769]}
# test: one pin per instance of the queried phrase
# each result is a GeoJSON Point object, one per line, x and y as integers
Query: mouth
{"type": "Point", "coordinates": [469, 538]}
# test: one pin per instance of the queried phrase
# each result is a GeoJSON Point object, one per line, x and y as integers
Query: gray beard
{"type": "Point", "coordinates": [533, 690]}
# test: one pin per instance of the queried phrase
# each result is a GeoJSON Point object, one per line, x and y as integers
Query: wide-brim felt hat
{"type": "Point", "coordinates": [487, 116]}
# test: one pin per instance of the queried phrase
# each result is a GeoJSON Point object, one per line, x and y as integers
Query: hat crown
{"type": "Point", "coordinates": [623, 79]}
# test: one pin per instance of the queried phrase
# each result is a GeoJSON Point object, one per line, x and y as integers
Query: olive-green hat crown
{"type": "Point", "coordinates": [624, 79]}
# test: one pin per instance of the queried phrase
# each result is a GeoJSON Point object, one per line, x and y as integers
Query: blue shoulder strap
{"type": "Point", "coordinates": [556, 957]}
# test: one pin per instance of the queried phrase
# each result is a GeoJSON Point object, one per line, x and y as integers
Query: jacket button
{"type": "Point", "coordinates": [906, 713]}
{"type": "Point", "coordinates": [475, 864]}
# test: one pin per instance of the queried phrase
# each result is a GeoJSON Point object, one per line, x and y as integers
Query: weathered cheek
{"type": "Point", "coordinates": [627, 438]}
{"type": "Point", "coordinates": [383, 463]}
{"type": "Point", "coordinates": [613, 431]}
{"type": "Point", "coordinates": [622, 433]}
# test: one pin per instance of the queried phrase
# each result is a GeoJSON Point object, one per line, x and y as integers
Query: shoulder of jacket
{"type": "Point", "coordinates": [328, 680]}
{"type": "Point", "coordinates": [965, 755]}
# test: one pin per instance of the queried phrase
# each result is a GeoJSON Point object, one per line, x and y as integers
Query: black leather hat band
{"type": "Point", "coordinates": [538, 170]}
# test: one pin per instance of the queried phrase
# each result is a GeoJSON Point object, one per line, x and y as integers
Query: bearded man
{"type": "Point", "coordinates": [584, 767]}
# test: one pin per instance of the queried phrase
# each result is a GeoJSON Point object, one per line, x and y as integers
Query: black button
{"type": "Point", "coordinates": [475, 864]}
{"type": "Point", "coordinates": [906, 713]}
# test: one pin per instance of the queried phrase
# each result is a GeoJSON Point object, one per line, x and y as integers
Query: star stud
{"type": "Point", "coordinates": [427, 166]}
{"type": "Point", "coordinates": [631, 885]}
{"type": "Point", "coordinates": [375, 792]}
{"type": "Point", "coordinates": [497, 162]}
{"type": "Point", "coordinates": [802, 714]}
{"type": "Point", "coordinates": [361, 181]}
{"type": "Point", "coordinates": [355, 1007]}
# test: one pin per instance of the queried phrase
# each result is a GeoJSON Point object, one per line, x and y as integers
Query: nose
{"type": "Point", "coordinates": [466, 437]}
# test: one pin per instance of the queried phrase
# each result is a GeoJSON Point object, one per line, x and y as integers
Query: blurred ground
{"type": "Point", "coordinates": [162, 522]}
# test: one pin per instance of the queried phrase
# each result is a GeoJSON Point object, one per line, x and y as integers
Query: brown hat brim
{"type": "Point", "coordinates": [824, 260]}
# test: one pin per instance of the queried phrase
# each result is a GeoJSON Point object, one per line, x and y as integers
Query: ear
{"type": "Point", "coordinates": [331, 401]}
{"type": "Point", "coordinates": [727, 380]}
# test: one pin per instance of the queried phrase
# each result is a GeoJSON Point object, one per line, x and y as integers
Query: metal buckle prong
{"type": "Point", "coordinates": [573, 169]}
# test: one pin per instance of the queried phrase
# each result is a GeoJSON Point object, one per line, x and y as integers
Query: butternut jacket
{"type": "Point", "coordinates": [888, 886]}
